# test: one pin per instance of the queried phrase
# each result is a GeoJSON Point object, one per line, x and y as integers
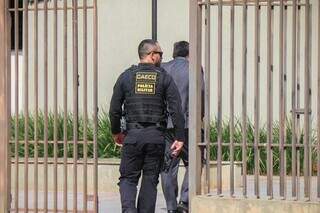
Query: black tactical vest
{"type": "Point", "coordinates": [144, 102]}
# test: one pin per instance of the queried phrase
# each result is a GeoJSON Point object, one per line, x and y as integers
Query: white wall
{"type": "Point", "coordinates": [123, 24]}
{"type": "Point", "coordinates": [263, 58]}
{"type": "Point", "coordinates": [14, 80]}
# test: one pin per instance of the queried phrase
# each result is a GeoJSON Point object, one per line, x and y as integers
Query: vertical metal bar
{"type": "Point", "coordinates": [95, 102]}
{"type": "Point", "coordinates": [65, 106]}
{"type": "Point", "coordinates": [269, 101]}
{"type": "Point", "coordinates": [8, 153]}
{"type": "Point", "coordinates": [310, 99]}
{"type": "Point", "coordinates": [3, 142]}
{"type": "Point", "coordinates": [75, 101]}
{"type": "Point", "coordinates": [281, 101]}
{"type": "Point", "coordinates": [55, 107]}
{"type": "Point", "coordinates": [85, 110]}
{"type": "Point", "coordinates": [244, 97]}
{"type": "Point", "coordinates": [207, 92]}
{"type": "Point", "coordinates": [293, 98]}
{"type": "Point", "coordinates": [285, 35]}
{"type": "Point", "coordinates": [36, 153]}
{"type": "Point", "coordinates": [16, 132]}
{"type": "Point", "coordinates": [232, 98]}
{"type": "Point", "coordinates": [154, 19]}
{"type": "Point", "coordinates": [194, 99]}
{"type": "Point", "coordinates": [318, 109]}
{"type": "Point", "coordinates": [4, 110]}
{"type": "Point", "coordinates": [219, 159]}
{"type": "Point", "coordinates": [306, 166]}
{"type": "Point", "coordinates": [256, 99]}
{"type": "Point", "coordinates": [272, 69]}
{"type": "Point", "coordinates": [45, 35]}
{"type": "Point", "coordinates": [26, 103]}
{"type": "Point", "coordinates": [298, 132]}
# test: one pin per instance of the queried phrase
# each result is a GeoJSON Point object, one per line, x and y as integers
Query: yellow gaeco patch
{"type": "Point", "coordinates": [146, 76]}
{"type": "Point", "coordinates": [146, 83]}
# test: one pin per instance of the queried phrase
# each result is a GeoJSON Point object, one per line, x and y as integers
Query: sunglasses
{"type": "Point", "coordinates": [157, 52]}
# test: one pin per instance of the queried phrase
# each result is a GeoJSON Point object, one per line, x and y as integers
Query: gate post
{"type": "Point", "coordinates": [4, 109]}
{"type": "Point", "coordinates": [195, 99]}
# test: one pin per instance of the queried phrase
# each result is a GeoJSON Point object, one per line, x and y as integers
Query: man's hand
{"type": "Point", "coordinates": [176, 148]}
{"type": "Point", "coordinates": [118, 139]}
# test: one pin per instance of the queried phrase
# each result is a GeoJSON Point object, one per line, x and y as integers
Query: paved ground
{"type": "Point", "coordinates": [110, 202]}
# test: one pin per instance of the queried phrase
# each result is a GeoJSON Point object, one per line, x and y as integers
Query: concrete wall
{"type": "Point", "coordinates": [205, 204]}
{"type": "Point", "coordinates": [108, 176]}
{"type": "Point", "coordinates": [123, 24]}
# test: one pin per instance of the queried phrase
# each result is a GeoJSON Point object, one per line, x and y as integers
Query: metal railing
{"type": "Point", "coordinates": [32, 11]}
{"type": "Point", "coordinates": [289, 12]}
{"type": "Point", "coordinates": [4, 108]}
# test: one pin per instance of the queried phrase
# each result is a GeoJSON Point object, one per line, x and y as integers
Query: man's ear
{"type": "Point", "coordinates": [153, 58]}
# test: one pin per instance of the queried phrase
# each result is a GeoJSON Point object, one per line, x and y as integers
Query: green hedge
{"type": "Point", "coordinates": [262, 150]}
{"type": "Point", "coordinates": [107, 148]}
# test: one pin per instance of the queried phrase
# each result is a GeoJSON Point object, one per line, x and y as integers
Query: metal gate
{"type": "Point", "coordinates": [293, 72]}
{"type": "Point", "coordinates": [42, 153]}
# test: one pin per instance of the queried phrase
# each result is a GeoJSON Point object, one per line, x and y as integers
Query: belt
{"type": "Point", "coordinates": [143, 125]}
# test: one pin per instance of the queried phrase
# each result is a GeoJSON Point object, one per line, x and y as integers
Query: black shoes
{"type": "Point", "coordinates": [183, 207]}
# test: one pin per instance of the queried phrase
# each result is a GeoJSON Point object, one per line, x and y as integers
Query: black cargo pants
{"type": "Point", "coordinates": [143, 151]}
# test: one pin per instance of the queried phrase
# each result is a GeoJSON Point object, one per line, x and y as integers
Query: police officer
{"type": "Point", "coordinates": [178, 68]}
{"type": "Point", "coordinates": [143, 94]}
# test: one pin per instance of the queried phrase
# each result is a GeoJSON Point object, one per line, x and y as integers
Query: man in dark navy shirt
{"type": "Point", "coordinates": [144, 95]}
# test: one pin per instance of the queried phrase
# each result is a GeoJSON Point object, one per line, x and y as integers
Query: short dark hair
{"type": "Point", "coordinates": [180, 48]}
{"type": "Point", "coordinates": [145, 47]}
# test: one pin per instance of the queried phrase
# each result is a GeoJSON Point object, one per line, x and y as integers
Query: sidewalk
{"type": "Point", "coordinates": [111, 203]}
{"type": "Point", "coordinates": [108, 202]}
